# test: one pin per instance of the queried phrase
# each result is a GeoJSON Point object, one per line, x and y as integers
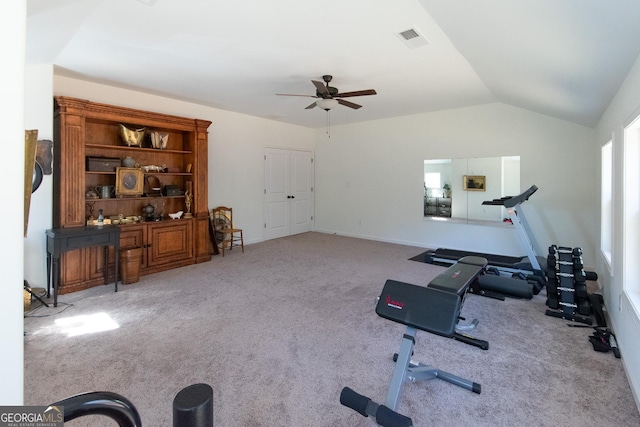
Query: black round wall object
{"type": "Point", "coordinates": [37, 177]}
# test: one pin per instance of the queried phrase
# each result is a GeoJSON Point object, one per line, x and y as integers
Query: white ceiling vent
{"type": "Point", "coordinates": [412, 38]}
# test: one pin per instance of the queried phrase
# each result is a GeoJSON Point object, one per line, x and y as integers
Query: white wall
{"type": "Point", "coordinates": [623, 315]}
{"type": "Point", "coordinates": [236, 146]}
{"type": "Point", "coordinates": [12, 32]}
{"type": "Point", "coordinates": [369, 177]}
{"type": "Point", "coordinates": [38, 108]}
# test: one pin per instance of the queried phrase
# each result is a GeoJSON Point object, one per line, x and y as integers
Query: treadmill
{"type": "Point", "coordinates": [527, 267]}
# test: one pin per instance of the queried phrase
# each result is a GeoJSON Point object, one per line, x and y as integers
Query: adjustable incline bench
{"type": "Point", "coordinates": [458, 279]}
{"type": "Point", "coordinates": [434, 309]}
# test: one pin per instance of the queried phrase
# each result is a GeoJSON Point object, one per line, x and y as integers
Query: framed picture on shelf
{"type": "Point", "coordinates": [474, 183]}
{"type": "Point", "coordinates": [129, 182]}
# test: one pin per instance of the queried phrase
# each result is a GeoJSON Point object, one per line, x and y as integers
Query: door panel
{"type": "Point", "coordinates": [301, 192]}
{"type": "Point", "coordinates": [288, 192]}
{"type": "Point", "coordinates": [277, 170]}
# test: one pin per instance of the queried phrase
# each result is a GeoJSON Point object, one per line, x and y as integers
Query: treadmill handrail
{"type": "Point", "coordinates": [509, 202]}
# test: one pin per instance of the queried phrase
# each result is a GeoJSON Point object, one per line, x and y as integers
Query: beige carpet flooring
{"type": "Point", "coordinates": [279, 330]}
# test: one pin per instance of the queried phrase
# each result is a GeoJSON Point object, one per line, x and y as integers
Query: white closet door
{"type": "Point", "coordinates": [288, 193]}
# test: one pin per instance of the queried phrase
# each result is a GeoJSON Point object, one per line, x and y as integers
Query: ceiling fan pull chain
{"type": "Point", "coordinates": [329, 123]}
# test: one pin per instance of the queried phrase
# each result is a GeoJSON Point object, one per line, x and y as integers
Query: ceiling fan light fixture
{"type": "Point", "coordinates": [327, 104]}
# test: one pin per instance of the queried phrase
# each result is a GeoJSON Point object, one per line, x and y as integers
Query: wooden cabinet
{"type": "Point", "coordinates": [84, 131]}
{"type": "Point", "coordinates": [163, 242]}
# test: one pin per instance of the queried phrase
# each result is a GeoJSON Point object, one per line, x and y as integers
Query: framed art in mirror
{"type": "Point", "coordinates": [474, 183]}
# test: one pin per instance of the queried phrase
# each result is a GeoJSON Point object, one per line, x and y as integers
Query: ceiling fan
{"type": "Point", "coordinates": [329, 96]}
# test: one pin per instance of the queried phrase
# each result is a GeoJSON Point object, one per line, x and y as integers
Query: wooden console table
{"type": "Point", "coordinates": [60, 240]}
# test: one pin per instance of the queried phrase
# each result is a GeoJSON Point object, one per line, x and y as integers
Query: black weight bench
{"type": "Point", "coordinates": [434, 309]}
{"type": "Point", "coordinates": [458, 279]}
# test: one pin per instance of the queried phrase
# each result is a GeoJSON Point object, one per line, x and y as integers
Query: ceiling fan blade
{"type": "Point", "coordinates": [320, 87]}
{"type": "Point", "coordinates": [349, 104]}
{"type": "Point", "coordinates": [356, 93]}
{"type": "Point", "coordinates": [293, 94]}
{"type": "Point", "coordinates": [310, 106]}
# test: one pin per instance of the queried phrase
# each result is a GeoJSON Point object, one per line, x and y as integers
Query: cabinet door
{"type": "Point", "coordinates": [73, 269]}
{"type": "Point", "coordinates": [170, 241]}
{"type": "Point", "coordinates": [95, 256]}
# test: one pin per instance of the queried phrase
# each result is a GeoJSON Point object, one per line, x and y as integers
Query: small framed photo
{"type": "Point", "coordinates": [129, 182]}
{"type": "Point", "coordinates": [474, 183]}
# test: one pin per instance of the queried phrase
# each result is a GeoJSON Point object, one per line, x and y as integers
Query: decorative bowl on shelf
{"type": "Point", "coordinates": [153, 168]}
{"type": "Point", "coordinates": [132, 137]}
{"type": "Point", "coordinates": [91, 194]}
{"type": "Point", "coordinates": [176, 215]}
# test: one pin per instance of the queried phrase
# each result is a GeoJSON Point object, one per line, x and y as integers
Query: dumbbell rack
{"type": "Point", "coordinates": [567, 285]}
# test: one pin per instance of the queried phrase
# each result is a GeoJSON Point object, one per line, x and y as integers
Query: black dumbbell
{"type": "Point", "coordinates": [577, 263]}
{"type": "Point", "coordinates": [551, 273]}
{"type": "Point", "coordinates": [581, 290]}
{"type": "Point", "coordinates": [584, 307]}
{"type": "Point", "coordinates": [552, 302]}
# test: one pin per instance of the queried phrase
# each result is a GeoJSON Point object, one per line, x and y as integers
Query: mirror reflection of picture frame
{"type": "Point", "coordinates": [474, 183]}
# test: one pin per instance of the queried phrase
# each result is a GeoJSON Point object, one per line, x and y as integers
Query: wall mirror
{"type": "Point", "coordinates": [454, 189]}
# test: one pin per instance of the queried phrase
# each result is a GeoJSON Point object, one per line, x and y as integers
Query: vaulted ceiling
{"type": "Point", "coordinates": [562, 58]}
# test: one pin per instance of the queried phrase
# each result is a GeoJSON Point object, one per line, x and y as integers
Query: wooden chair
{"type": "Point", "coordinates": [225, 235]}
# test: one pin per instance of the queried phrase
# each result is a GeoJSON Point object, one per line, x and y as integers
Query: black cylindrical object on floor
{"type": "Point", "coordinates": [506, 286]}
{"type": "Point", "coordinates": [193, 406]}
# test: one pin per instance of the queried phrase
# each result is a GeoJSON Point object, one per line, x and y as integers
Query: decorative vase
{"type": "Point", "coordinates": [128, 162]}
{"type": "Point", "coordinates": [149, 209]}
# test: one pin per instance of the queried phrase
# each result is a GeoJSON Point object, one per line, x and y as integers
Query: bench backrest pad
{"type": "Point", "coordinates": [428, 309]}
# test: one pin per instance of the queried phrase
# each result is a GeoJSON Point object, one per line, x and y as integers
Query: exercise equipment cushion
{"type": "Point", "coordinates": [428, 309]}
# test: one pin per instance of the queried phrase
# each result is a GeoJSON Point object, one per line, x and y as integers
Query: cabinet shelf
{"type": "Point", "coordinates": [146, 173]}
{"type": "Point", "coordinates": [125, 148]}
{"type": "Point", "coordinates": [129, 198]}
